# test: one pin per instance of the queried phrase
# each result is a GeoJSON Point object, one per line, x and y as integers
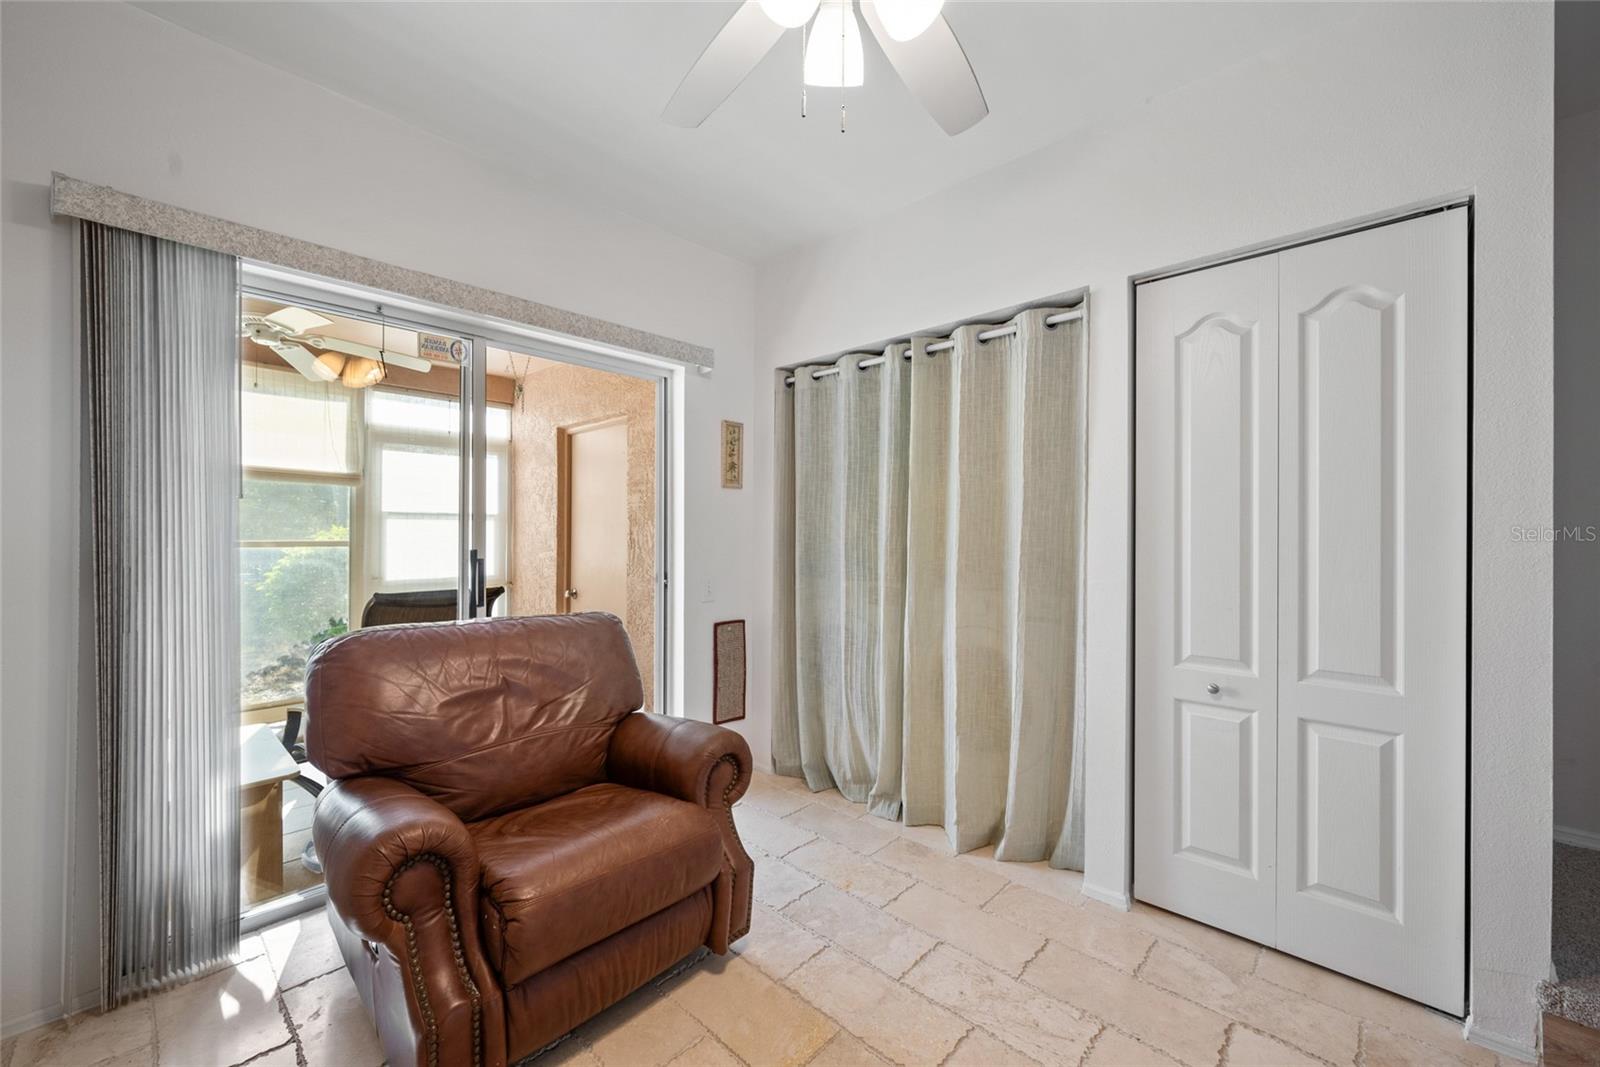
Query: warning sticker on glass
{"type": "Point", "coordinates": [437, 346]}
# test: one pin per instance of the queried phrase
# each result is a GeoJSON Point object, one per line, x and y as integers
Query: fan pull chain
{"type": "Point", "coordinates": [843, 58]}
{"type": "Point", "coordinates": [802, 71]}
{"type": "Point", "coordinates": [522, 379]}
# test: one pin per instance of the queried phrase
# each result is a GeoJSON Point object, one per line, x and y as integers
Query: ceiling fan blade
{"type": "Point", "coordinates": [356, 348]}
{"type": "Point", "coordinates": [298, 320]}
{"type": "Point", "coordinates": [935, 69]}
{"type": "Point", "coordinates": [733, 53]}
{"type": "Point", "coordinates": [303, 361]}
{"type": "Point", "coordinates": [339, 344]}
{"type": "Point", "coordinates": [400, 359]}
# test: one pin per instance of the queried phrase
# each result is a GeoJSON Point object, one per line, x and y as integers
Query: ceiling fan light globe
{"type": "Point", "coordinates": [905, 20]}
{"type": "Point", "coordinates": [359, 372]}
{"type": "Point", "coordinates": [833, 51]}
{"type": "Point", "coordinates": [790, 14]}
{"type": "Point", "coordinates": [328, 366]}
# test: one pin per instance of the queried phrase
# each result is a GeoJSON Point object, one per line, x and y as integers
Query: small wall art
{"type": "Point", "coordinates": [732, 455]}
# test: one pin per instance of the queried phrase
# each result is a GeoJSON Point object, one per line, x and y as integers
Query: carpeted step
{"type": "Point", "coordinates": [1577, 1000]}
{"type": "Point", "coordinates": [1575, 913]}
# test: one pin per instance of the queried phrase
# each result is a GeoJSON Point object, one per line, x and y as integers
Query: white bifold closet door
{"type": "Point", "coordinates": [1301, 537]}
{"type": "Point", "coordinates": [1205, 614]}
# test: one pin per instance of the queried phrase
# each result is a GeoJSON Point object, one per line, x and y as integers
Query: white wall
{"type": "Point", "coordinates": [113, 95]}
{"type": "Point", "coordinates": [1577, 488]}
{"type": "Point", "coordinates": [1397, 105]}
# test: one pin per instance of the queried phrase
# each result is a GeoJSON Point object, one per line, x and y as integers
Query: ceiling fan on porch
{"type": "Point", "coordinates": [292, 333]}
{"type": "Point", "coordinates": [913, 34]}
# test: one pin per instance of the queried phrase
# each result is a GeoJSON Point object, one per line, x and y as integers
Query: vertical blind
{"type": "Point", "coordinates": [928, 587]}
{"type": "Point", "coordinates": [159, 355]}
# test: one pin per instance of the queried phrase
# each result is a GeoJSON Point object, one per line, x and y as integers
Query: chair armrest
{"type": "Point", "coordinates": [694, 761]}
{"type": "Point", "coordinates": [705, 765]}
{"type": "Point", "coordinates": [369, 831]}
{"type": "Point", "coordinates": [402, 872]}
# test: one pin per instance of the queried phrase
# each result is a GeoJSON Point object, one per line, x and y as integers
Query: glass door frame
{"type": "Point", "coordinates": [480, 332]}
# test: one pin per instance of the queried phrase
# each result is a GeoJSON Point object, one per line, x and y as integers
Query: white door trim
{"type": "Point", "coordinates": [1320, 233]}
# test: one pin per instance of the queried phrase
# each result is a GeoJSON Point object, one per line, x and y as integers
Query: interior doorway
{"type": "Point", "coordinates": [592, 519]}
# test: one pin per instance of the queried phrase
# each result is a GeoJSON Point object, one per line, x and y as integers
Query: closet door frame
{"type": "Point", "coordinates": [1464, 202]}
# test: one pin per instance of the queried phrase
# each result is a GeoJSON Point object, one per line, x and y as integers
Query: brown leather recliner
{"type": "Point", "coordinates": [509, 846]}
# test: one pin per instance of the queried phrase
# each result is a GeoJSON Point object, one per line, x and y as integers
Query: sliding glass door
{"type": "Point", "coordinates": [351, 514]}
{"type": "Point", "coordinates": [404, 466]}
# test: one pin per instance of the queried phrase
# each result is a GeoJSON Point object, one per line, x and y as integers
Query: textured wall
{"type": "Point", "coordinates": [552, 400]}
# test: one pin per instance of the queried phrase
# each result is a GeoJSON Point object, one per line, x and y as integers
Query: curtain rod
{"type": "Point", "coordinates": [946, 345]}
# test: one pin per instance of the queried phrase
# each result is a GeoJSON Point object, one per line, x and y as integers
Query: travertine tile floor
{"type": "Point", "coordinates": [871, 944]}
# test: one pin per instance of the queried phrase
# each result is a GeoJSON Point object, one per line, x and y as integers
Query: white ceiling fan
{"type": "Point", "coordinates": [912, 33]}
{"type": "Point", "coordinates": [292, 332]}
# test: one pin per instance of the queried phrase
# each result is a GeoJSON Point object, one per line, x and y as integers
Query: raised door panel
{"type": "Point", "coordinates": [1205, 657]}
{"type": "Point", "coordinates": [1217, 366]}
{"type": "Point", "coordinates": [1349, 406]}
{"type": "Point", "coordinates": [1350, 822]}
{"type": "Point", "coordinates": [1218, 806]}
{"type": "Point", "coordinates": [1372, 606]}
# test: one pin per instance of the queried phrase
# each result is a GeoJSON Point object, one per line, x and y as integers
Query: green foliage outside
{"type": "Point", "coordinates": [292, 599]}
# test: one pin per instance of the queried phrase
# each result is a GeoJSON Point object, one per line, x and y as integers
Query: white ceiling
{"type": "Point", "coordinates": [571, 94]}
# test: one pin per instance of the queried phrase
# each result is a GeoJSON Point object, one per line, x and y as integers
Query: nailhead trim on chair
{"type": "Point", "coordinates": [727, 811]}
{"type": "Point", "coordinates": [417, 984]}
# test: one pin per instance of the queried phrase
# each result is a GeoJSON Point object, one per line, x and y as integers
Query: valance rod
{"type": "Point", "coordinates": [943, 346]}
{"type": "Point", "coordinates": [72, 198]}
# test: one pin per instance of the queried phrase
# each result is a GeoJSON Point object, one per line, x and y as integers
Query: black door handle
{"type": "Point", "coordinates": [475, 583]}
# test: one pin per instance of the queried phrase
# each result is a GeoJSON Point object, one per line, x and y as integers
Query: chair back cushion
{"type": "Point", "coordinates": [483, 716]}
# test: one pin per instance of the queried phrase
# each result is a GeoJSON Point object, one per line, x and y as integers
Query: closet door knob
{"type": "Point", "coordinates": [1213, 688]}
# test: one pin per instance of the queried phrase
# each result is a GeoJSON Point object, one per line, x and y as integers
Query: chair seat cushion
{"type": "Point", "coordinates": [566, 874]}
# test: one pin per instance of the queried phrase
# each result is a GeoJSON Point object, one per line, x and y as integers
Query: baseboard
{"type": "Point", "coordinates": [44, 1016]}
{"type": "Point", "coordinates": [1571, 835]}
{"type": "Point", "coordinates": [1111, 898]}
{"type": "Point", "coordinates": [1523, 1052]}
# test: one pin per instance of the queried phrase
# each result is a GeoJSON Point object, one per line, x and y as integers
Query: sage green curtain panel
{"type": "Point", "coordinates": [929, 585]}
{"type": "Point", "coordinates": [852, 461]}
{"type": "Point", "coordinates": [160, 358]}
